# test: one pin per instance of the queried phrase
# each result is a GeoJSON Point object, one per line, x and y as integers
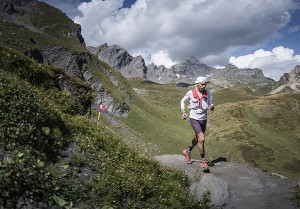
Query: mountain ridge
{"type": "Point", "coordinates": [191, 68]}
{"type": "Point", "coordinates": [181, 72]}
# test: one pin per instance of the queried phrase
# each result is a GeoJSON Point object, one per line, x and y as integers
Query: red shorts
{"type": "Point", "coordinates": [198, 125]}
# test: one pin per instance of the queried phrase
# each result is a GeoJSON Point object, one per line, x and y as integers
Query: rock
{"type": "Point", "coordinates": [191, 68]}
{"type": "Point", "coordinates": [218, 188]}
{"type": "Point", "coordinates": [234, 185]}
{"type": "Point", "coordinates": [289, 82]}
{"type": "Point", "coordinates": [295, 74]}
{"type": "Point", "coordinates": [234, 75]}
{"type": "Point", "coordinates": [73, 65]}
{"type": "Point", "coordinates": [159, 74]}
{"type": "Point", "coordinates": [120, 59]}
{"type": "Point", "coordinates": [136, 68]}
{"type": "Point", "coordinates": [186, 71]}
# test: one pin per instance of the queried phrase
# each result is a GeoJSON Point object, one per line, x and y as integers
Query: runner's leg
{"type": "Point", "coordinates": [194, 143]}
{"type": "Point", "coordinates": [201, 139]}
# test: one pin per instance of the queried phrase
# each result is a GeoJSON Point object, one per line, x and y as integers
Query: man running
{"type": "Point", "coordinates": [200, 101]}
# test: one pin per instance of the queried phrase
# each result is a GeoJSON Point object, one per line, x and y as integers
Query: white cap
{"type": "Point", "coordinates": [201, 80]}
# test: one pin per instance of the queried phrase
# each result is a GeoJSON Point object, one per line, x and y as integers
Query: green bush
{"type": "Point", "coordinates": [26, 143]}
{"type": "Point", "coordinates": [23, 177]}
{"type": "Point", "coordinates": [23, 120]}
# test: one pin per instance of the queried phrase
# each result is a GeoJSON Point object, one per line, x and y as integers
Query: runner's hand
{"type": "Point", "coordinates": [183, 116]}
{"type": "Point", "coordinates": [211, 107]}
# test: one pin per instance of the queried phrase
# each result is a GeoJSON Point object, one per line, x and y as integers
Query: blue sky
{"type": "Point", "coordinates": [261, 34]}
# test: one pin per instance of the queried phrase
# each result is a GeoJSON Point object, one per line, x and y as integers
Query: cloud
{"type": "Point", "coordinates": [67, 6]}
{"type": "Point", "coordinates": [210, 30]}
{"type": "Point", "coordinates": [273, 63]}
{"type": "Point", "coordinates": [163, 58]}
{"type": "Point", "coordinates": [200, 28]}
{"type": "Point", "coordinates": [294, 29]}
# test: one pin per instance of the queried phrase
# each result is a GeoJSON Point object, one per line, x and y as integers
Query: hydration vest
{"type": "Point", "coordinates": [196, 96]}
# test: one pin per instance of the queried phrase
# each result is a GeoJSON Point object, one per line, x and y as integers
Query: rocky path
{"type": "Point", "coordinates": [235, 185]}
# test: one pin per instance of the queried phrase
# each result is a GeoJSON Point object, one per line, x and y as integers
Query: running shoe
{"type": "Point", "coordinates": [204, 165]}
{"type": "Point", "coordinates": [187, 156]}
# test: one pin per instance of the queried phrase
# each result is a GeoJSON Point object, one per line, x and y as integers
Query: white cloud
{"type": "Point", "coordinates": [162, 58]}
{"type": "Point", "coordinates": [199, 28]}
{"type": "Point", "coordinates": [166, 33]}
{"type": "Point", "coordinates": [273, 63]}
{"type": "Point", "coordinates": [294, 29]}
{"type": "Point", "coordinates": [67, 6]}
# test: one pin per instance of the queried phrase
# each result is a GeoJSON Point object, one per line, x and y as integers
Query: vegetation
{"type": "Point", "coordinates": [51, 153]}
{"type": "Point", "coordinates": [296, 196]}
{"type": "Point", "coordinates": [245, 127]}
{"type": "Point", "coordinates": [49, 27]}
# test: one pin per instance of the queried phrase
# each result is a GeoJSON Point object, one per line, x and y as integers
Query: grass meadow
{"type": "Point", "coordinates": [246, 126]}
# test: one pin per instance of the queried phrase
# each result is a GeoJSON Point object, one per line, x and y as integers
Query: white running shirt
{"type": "Point", "coordinates": [196, 112]}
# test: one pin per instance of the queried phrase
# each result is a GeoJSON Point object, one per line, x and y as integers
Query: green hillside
{"type": "Point", "coordinates": [46, 26]}
{"type": "Point", "coordinates": [245, 127]}
{"type": "Point", "coordinates": [51, 153]}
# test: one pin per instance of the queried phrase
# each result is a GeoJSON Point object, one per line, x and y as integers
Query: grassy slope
{"type": "Point", "coordinates": [156, 117]}
{"type": "Point", "coordinates": [245, 127]}
{"type": "Point", "coordinates": [97, 169]}
{"type": "Point", "coordinates": [262, 132]}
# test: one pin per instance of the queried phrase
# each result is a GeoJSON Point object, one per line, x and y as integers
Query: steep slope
{"type": "Point", "coordinates": [53, 156]}
{"type": "Point", "coordinates": [48, 36]}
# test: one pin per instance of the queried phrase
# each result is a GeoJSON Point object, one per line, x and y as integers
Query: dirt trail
{"type": "Point", "coordinates": [235, 185]}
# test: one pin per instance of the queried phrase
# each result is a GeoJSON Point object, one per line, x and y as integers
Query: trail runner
{"type": "Point", "coordinates": [200, 100]}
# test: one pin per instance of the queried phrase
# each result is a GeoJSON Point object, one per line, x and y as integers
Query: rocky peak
{"type": "Point", "coordinates": [120, 59]}
{"type": "Point", "coordinates": [289, 82]}
{"type": "Point", "coordinates": [192, 60]}
{"type": "Point", "coordinates": [285, 78]}
{"type": "Point", "coordinates": [231, 67]}
{"type": "Point", "coordinates": [159, 74]}
{"type": "Point", "coordinates": [114, 55]}
{"type": "Point", "coordinates": [295, 74]}
{"type": "Point", "coordinates": [191, 68]}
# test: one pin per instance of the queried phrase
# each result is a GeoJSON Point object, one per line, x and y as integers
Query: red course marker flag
{"type": "Point", "coordinates": [102, 107]}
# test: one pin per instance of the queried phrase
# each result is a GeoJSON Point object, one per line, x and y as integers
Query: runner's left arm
{"type": "Point", "coordinates": [209, 100]}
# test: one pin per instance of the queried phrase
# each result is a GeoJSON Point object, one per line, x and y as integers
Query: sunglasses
{"type": "Point", "coordinates": [202, 84]}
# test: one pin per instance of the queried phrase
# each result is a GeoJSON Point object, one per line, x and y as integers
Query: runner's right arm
{"type": "Point", "coordinates": [182, 104]}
